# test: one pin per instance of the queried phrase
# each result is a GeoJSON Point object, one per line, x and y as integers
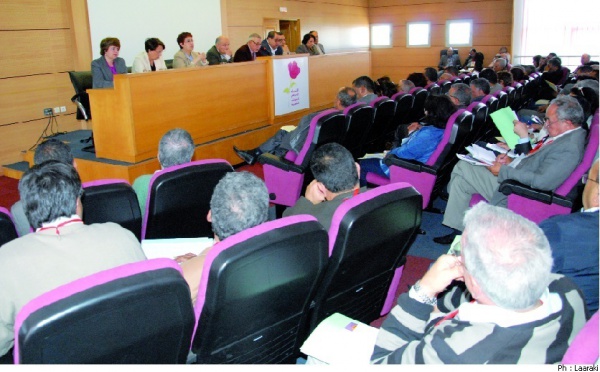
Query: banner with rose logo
{"type": "Point", "coordinates": [290, 79]}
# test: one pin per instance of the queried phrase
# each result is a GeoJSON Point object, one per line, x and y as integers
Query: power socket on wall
{"type": "Point", "coordinates": [48, 111]}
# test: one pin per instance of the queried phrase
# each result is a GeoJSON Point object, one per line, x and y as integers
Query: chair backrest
{"type": "Point", "coordinates": [404, 103]}
{"type": "Point", "coordinates": [480, 115]}
{"type": "Point", "coordinates": [584, 347]}
{"type": "Point", "coordinates": [255, 292]}
{"type": "Point", "coordinates": [452, 132]}
{"type": "Point", "coordinates": [112, 200]}
{"type": "Point", "coordinates": [179, 200]}
{"type": "Point", "coordinates": [169, 63]}
{"type": "Point", "coordinates": [445, 86]}
{"type": "Point", "coordinates": [512, 94]}
{"type": "Point", "coordinates": [433, 88]}
{"type": "Point", "coordinates": [383, 114]}
{"type": "Point", "coordinates": [502, 98]}
{"type": "Point", "coordinates": [369, 237]}
{"type": "Point", "coordinates": [82, 81]}
{"type": "Point", "coordinates": [135, 313]}
{"type": "Point", "coordinates": [327, 126]}
{"type": "Point", "coordinates": [359, 118]}
{"type": "Point", "coordinates": [420, 95]}
{"type": "Point", "coordinates": [565, 75]}
{"type": "Point", "coordinates": [491, 102]}
{"type": "Point", "coordinates": [8, 231]}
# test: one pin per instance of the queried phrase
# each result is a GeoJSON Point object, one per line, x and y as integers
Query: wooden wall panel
{"type": "Point", "coordinates": [33, 15]}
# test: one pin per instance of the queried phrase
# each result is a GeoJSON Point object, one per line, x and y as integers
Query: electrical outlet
{"type": "Point", "coordinates": [48, 111]}
{"type": "Point", "coordinates": [56, 110]}
{"type": "Point", "coordinates": [63, 108]}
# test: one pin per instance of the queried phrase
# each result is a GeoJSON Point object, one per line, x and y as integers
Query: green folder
{"type": "Point", "coordinates": [503, 119]}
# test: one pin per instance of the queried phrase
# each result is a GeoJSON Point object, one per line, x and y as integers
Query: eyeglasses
{"type": "Point", "coordinates": [255, 42]}
{"type": "Point", "coordinates": [586, 178]}
{"type": "Point", "coordinates": [451, 96]}
{"type": "Point", "coordinates": [547, 121]}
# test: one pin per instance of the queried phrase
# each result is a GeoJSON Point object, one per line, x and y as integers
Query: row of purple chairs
{"type": "Point", "coordinates": [261, 292]}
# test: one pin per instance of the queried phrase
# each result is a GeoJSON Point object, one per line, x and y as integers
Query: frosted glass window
{"type": "Point", "coordinates": [459, 33]}
{"type": "Point", "coordinates": [381, 35]}
{"type": "Point", "coordinates": [418, 34]}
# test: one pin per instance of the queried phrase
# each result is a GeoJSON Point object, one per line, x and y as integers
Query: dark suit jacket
{"type": "Point", "coordinates": [102, 77]}
{"type": "Point", "coordinates": [243, 54]}
{"type": "Point", "coordinates": [214, 57]}
{"type": "Point", "coordinates": [444, 61]}
{"type": "Point", "coordinates": [265, 50]}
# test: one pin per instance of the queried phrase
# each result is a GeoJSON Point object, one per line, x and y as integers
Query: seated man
{"type": "Point", "coordinates": [240, 201]}
{"type": "Point", "coordinates": [460, 95]}
{"type": "Point", "coordinates": [545, 167]}
{"type": "Point", "coordinates": [336, 179]}
{"type": "Point", "coordinates": [248, 51]}
{"type": "Point", "coordinates": [176, 147]}
{"type": "Point", "coordinates": [499, 65]}
{"type": "Point", "coordinates": [470, 61]}
{"type": "Point", "coordinates": [431, 75]}
{"type": "Point", "coordinates": [271, 45]}
{"type": "Point", "coordinates": [509, 310]}
{"type": "Point", "coordinates": [574, 241]}
{"type": "Point", "coordinates": [492, 77]}
{"type": "Point", "coordinates": [480, 88]}
{"type": "Point", "coordinates": [318, 48]}
{"type": "Point", "coordinates": [365, 89]}
{"type": "Point", "coordinates": [62, 249]}
{"type": "Point", "coordinates": [284, 141]}
{"type": "Point", "coordinates": [449, 59]}
{"type": "Point", "coordinates": [406, 85]}
{"type": "Point", "coordinates": [220, 52]}
{"type": "Point", "coordinates": [51, 149]}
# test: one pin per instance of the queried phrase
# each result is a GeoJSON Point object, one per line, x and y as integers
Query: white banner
{"type": "Point", "coordinates": [290, 80]}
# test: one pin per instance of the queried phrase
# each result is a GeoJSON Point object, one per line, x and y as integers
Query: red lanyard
{"type": "Point", "coordinates": [59, 225]}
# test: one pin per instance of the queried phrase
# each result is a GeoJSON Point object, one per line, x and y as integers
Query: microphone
{"type": "Point", "coordinates": [81, 108]}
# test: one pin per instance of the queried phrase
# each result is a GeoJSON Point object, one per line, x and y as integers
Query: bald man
{"type": "Point", "coordinates": [220, 52]}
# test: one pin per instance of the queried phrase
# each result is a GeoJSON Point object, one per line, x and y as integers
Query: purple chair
{"type": "Point", "coordinates": [420, 95]}
{"type": "Point", "coordinates": [428, 178]}
{"type": "Point", "coordinates": [8, 230]}
{"type": "Point", "coordinates": [565, 76]}
{"type": "Point", "coordinates": [404, 103]}
{"type": "Point", "coordinates": [369, 238]}
{"type": "Point", "coordinates": [359, 118]}
{"type": "Point", "coordinates": [179, 200]}
{"type": "Point", "coordinates": [132, 314]}
{"type": "Point", "coordinates": [255, 293]}
{"type": "Point", "coordinates": [537, 205]}
{"type": "Point", "coordinates": [502, 98]}
{"type": "Point", "coordinates": [511, 93]}
{"type": "Point", "coordinates": [433, 88]}
{"type": "Point", "coordinates": [445, 86]}
{"type": "Point", "coordinates": [491, 102]}
{"type": "Point", "coordinates": [112, 200]}
{"type": "Point", "coordinates": [480, 118]}
{"type": "Point", "coordinates": [584, 347]}
{"type": "Point", "coordinates": [383, 114]}
{"type": "Point", "coordinates": [284, 176]}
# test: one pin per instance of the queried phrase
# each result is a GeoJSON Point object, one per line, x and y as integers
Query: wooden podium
{"type": "Point", "coordinates": [214, 103]}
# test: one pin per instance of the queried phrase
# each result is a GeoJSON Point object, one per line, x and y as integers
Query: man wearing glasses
{"type": "Point", "coordinates": [248, 51]}
{"type": "Point", "coordinates": [574, 241]}
{"type": "Point", "coordinates": [545, 166]}
{"type": "Point", "coordinates": [271, 46]}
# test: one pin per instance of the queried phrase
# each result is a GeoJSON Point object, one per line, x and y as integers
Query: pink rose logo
{"type": "Point", "coordinates": [293, 69]}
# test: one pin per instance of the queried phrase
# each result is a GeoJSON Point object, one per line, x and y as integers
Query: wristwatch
{"type": "Point", "coordinates": [422, 297]}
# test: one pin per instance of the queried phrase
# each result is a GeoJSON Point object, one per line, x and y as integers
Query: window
{"type": "Point", "coordinates": [459, 33]}
{"type": "Point", "coordinates": [381, 35]}
{"type": "Point", "coordinates": [418, 34]}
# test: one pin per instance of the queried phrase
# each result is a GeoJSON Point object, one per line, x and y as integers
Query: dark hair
{"type": "Point", "coordinates": [181, 38]}
{"type": "Point", "coordinates": [153, 43]}
{"type": "Point", "coordinates": [481, 83]}
{"type": "Point", "coordinates": [478, 61]}
{"type": "Point", "coordinates": [333, 165]}
{"type": "Point", "coordinates": [505, 78]}
{"type": "Point", "coordinates": [536, 59]}
{"type": "Point", "coordinates": [431, 74]}
{"type": "Point", "coordinates": [418, 78]}
{"type": "Point", "coordinates": [271, 34]}
{"type": "Point", "coordinates": [384, 86]}
{"type": "Point", "coordinates": [439, 108]}
{"type": "Point", "coordinates": [347, 96]}
{"type": "Point", "coordinates": [585, 69]}
{"type": "Point", "coordinates": [53, 149]}
{"type": "Point", "coordinates": [587, 98]}
{"type": "Point", "coordinates": [451, 70]}
{"type": "Point", "coordinates": [107, 43]}
{"type": "Point", "coordinates": [518, 73]}
{"type": "Point", "coordinates": [49, 191]}
{"type": "Point", "coordinates": [364, 81]}
{"type": "Point", "coordinates": [240, 201]}
{"type": "Point", "coordinates": [490, 75]}
{"type": "Point", "coordinates": [307, 37]}
{"type": "Point", "coordinates": [555, 61]}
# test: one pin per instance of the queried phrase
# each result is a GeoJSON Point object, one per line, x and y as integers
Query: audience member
{"type": "Point", "coordinates": [574, 241]}
{"type": "Point", "coordinates": [537, 62]}
{"type": "Point", "coordinates": [505, 79]}
{"type": "Point", "coordinates": [365, 89]}
{"type": "Point", "coordinates": [503, 51]}
{"type": "Point", "coordinates": [460, 95]}
{"type": "Point", "coordinates": [496, 303]}
{"type": "Point", "coordinates": [470, 61]}
{"type": "Point", "coordinates": [452, 70]}
{"type": "Point", "coordinates": [545, 167]}
{"type": "Point", "coordinates": [384, 86]}
{"type": "Point", "coordinates": [445, 77]}
{"type": "Point", "coordinates": [271, 45]}
{"type": "Point", "coordinates": [518, 74]}
{"type": "Point", "coordinates": [499, 65]}
{"type": "Point", "coordinates": [62, 249]}
{"type": "Point", "coordinates": [108, 65]}
{"type": "Point", "coordinates": [240, 201]}
{"type": "Point", "coordinates": [480, 88]}
{"type": "Point", "coordinates": [284, 141]}
{"type": "Point", "coordinates": [492, 77]}
{"type": "Point", "coordinates": [308, 42]}
{"type": "Point", "coordinates": [151, 59]}
{"type": "Point", "coordinates": [418, 79]}
{"type": "Point", "coordinates": [220, 52]}
{"type": "Point", "coordinates": [176, 147]}
{"type": "Point", "coordinates": [336, 180]}
{"type": "Point", "coordinates": [319, 49]}
{"type": "Point", "coordinates": [248, 51]}
{"type": "Point", "coordinates": [421, 138]}
{"type": "Point", "coordinates": [554, 75]}
{"type": "Point", "coordinates": [284, 46]}
{"type": "Point", "coordinates": [51, 149]}
{"type": "Point", "coordinates": [449, 59]}
{"type": "Point", "coordinates": [585, 72]}
{"type": "Point", "coordinates": [185, 56]}
{"type": "Point", "coordinates": [406, 85]}
{"type": "Point", "coordinates": [431, 75]}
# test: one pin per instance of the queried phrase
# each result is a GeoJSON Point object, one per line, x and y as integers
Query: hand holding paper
{"type": "Point", "coordinates": [503, 119]}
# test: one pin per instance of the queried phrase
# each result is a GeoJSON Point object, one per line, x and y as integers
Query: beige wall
{"type": "Point", "coordinates": [492, 27]}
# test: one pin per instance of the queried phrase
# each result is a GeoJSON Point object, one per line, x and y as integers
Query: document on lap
{"type": "Point", "coordinates": [171, 248]}
{"type": "Point", "coordinates": [503, 119]}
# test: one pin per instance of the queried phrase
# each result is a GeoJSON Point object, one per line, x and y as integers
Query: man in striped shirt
{"type": "Point", "coordinates": [494, 302]}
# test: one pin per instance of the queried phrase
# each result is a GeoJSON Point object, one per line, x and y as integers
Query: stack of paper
{"type": "Point", "coordinates": [496, 148]}
{"type": "Point", "coordinates": [483, 155]}
{"type": "Point", "coordinates": [341, 340]}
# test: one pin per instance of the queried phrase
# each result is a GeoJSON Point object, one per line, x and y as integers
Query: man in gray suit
{"type": "Point", "coordinates": [449, 59]}
{"type": "Point", "coordinates": [545, 167]}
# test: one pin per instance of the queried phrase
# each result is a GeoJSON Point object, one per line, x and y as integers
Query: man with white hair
{"type": "Point", "coordinates": [494, 302]}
